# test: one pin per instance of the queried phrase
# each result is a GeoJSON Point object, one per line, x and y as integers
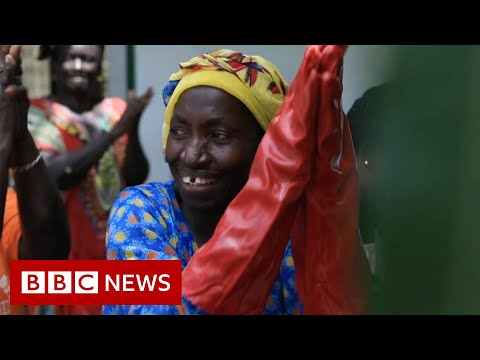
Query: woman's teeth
{"type": "Point", "coordinates": [197, 180]}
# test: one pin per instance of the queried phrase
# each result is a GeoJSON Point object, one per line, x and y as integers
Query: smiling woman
{"type": "Point", "coordinates": [244, 198]}
{"type": "Point", "coordinates": [218, 108]}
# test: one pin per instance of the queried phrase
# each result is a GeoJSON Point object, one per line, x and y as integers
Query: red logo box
{"type": "Point", "coordinates": [93, 282]}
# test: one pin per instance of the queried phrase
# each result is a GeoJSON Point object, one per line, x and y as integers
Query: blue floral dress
{"type": "Point", "coordinates": [146, 223]}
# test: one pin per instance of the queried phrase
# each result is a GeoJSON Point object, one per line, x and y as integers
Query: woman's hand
{"type": "Point", "coordinates": [131, 117]}
{"type": "Point", "coordinates": [13, 93]}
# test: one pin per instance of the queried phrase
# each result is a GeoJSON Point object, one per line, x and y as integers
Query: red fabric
{"type": "Point", "coordinates": [332, 269]}
{"type": "Point", "coordinates": [12, 233]}
{"type": "Point", "coordinates": [85, 245]}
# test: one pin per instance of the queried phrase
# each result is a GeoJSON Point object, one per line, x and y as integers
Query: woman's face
{"type": "Point", "coordinates": [211, 145]}
{"type": "Point", "coordinates": [77, 68]}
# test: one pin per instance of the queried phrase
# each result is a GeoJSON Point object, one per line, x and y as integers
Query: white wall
{"type": "Point", "coordinates": [365, 65]}
{"type": "Point", "coordinates": [117, 70]}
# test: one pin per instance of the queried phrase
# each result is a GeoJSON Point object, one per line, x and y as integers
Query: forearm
{"type": "Point", "coordinates": [69, 169]}
{"type": "Point", "coordinates": [45, 230]}
{"type": "Point", "coordinates": [5, 146]}
{"type": "Point", "coordinates": [135, 169]}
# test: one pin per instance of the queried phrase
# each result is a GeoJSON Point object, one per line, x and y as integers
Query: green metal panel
{"type": "Point", "coordinates": [131, 81]}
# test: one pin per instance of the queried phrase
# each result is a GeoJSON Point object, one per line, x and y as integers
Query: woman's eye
{"type": "Point", "coordinates": [219, 135]}
{"type": "Point", "coordinates": [177, 133]}
{"type": "Point", "coordinates": [90, 59]}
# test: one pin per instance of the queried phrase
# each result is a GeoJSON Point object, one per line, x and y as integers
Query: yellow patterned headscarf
{"type": "Point", "coordinates": [253, 80]}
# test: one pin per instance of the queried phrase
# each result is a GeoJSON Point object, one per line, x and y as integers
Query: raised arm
{"type": "Point", "coordinates": [69, 169]}
{"type": "Point", "coordinates": [45, 231]}
{"type": "Point", "coordinates": [7, 128]}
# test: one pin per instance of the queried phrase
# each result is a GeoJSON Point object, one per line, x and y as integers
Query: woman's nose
{"type": "Point", "coordinates": [78, 64]}
{"type": "Point", "coordinates": [194, 153]}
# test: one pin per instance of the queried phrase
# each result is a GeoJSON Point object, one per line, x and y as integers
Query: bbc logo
{"type": "Point", "coordinates": [93, 282]}
{"type": "Point", "coordinates": [59, 282]}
